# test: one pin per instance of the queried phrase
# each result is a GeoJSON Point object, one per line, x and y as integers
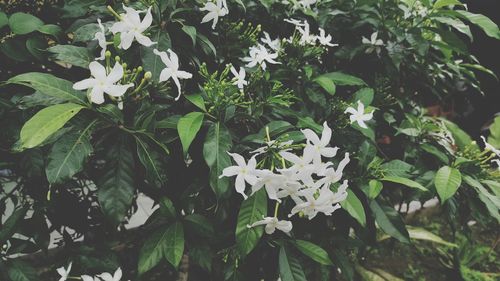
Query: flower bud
{"type": "Point", "coordinates": [148, 75]}
{"type": "Point", "coordinates": [107, 54]}
{"type": "Point", "coordinates": [117, 59]}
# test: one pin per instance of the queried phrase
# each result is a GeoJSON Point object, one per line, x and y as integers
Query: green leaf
{"type": "Point", "coordinates": [188, 126]}
{"type": "Point", "coordinates": [456, 24]}
{"type": "Point", "coordinates": [197, 100]}
{"type": "Point", "coordinates": [340, 78]}
{"type": "Point", "coordinates": [326, 83]}
{"type": "Point", "coordinates": [375, 187]}
{"type": "Point", "coordinates": [68, 154]}
{"type": "Point", "coordinates": [149, 159]}
{"type": "Point", "coordinates": [419, 233]}
{"type": "Point", "coordinates": [151, 61]}
{"type": "Point", "coordinates": [447, 181]}
{"type": "Point", "coordinates": [22, 23]}
{"type": "Point", "coordinates": [462, 139]}
{"type": "Point", "coordinates": [10, 225]}
{"type": "Point", "coordinates": [51, 29]}
{"type": "Point", "coordinates": [74, 55]}
{"type": "Point", "coordinates": [390, 221]}
{"type": "Point", "coordinates": [365, 95]}
{"type": "Point", "coordinates": [116, 187]}
{"type": "Point", "coordinates": [167, 208]}
{"type": "Point", "coordinates": [486, 24]}
{"type": "Point", "coordinates": [217, 143]}
{"type": "Point", "coordinates": [152, 251]}
{"type": "Point", "coordinates": [354, 207]}
{"type": "Point", "coordinates": [251, 210]}
{"type": "Point", "coordinates": [313, 251]}
{"type": "Point", "coordinates": [200, 225]}
{"type": "Point", "coordinates": [50, 86]}
{"type": "Point", "coordinates": [405, 181]}
{"type": "Point", "coordinates": [36, 46]}
{"type": "Point", "coordinates": [174, 244]}
{"type": "Point", "coordinates": [494, 137]}
{"type": "Point", "coordinates": [4, 20]}
{"type": "Point", "coordinates": [443, 3]}
{"type": "Point", "coordinates": [436, 152]}
{"type": "Point", "coordinates": [21, 271]}
{"type": "Point", "coordinates": [206, 45]}
{"type": "Point", "coordinates": [191, 31]}
{"type": "Point", "coordinates": [46, 122]}
{"type": "Point", "coordinates": [289, 267]}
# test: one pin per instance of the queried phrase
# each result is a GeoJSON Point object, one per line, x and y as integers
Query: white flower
{"type": "Point", "coordinates": [325, 40]}
{"type": "Point", "coordinates": [273, 44]}
{"type": "Point", "coordinates": [100, 36]}
{"type": "Point", "coordinates": [130, 26]}
{"type": "Point", "coordinates": [490, 147]}
{"type": "Point", "coordinates": [306, 4]}
{"type": "Point", "coordinates": [259, 55]}
{"type": "Point", "coordinates": [89, 278]}
{"type": "Point", "coordinates": [240, 77]}
{"type": "Point", "coordinates": [302, 166]}
{"type": "Point", "coordinates": [272, 183]}
{"type": "Point", "coordinates": [108, 277]}
{"type": "Point", "coordinates": [317, 201]}
{"type": "Point", "coordinates": [272, 223]}
{"type": "Point", "coordinates": [359, 115]}
{"type": "Point", "coordinates": [318, 147]}
{"type": "Point", "coordinates": [64, 272]}
{"type": "Point", "coordinates": [103, 83]}
{"type": "Point", "coordinates": [333, 175]}
{"type": "Point", "coordinates": [214, 12]}
{"type": "Point", "coordinates": [172, 69]}
{"type": "Point", "coordinates": [295, 22]}
{"type": "Point", "coordinates": [373, 40]}
{"type": "Point", "coordinates": [307, 36]}
{"type": "Point", "coordinates": [244, 172]}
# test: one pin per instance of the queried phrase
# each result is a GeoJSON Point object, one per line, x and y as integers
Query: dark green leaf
{"type": "Point", "coordinates": [74, 55]}
{"type": "Point", "coordinates": [11, 224]}
{"type": "Point", "coordinates": [289, 267]}
{"type": "Point", "coordinates": [149, 159]}
{"type": "Point", "coordinates": [152, 62]}
{"type": "Point", "coordinates": [313, 251]}
{"type": "Point", "coordinates": [326, 83]}
{"type": "Point", "coordinates": [217, 143]}
{"type": "Point", "coordinates": [354, 207]}
{"type": "Point", "coordinates": [22, 271]}
{"type": "Point", "coordinates": [251, 210]}
{"type": "Point", "coordinates": [68, 154]}
{"type": "Point", "coordinates": [116, 187]}
{"type": "Point", "coordinates": [340, 78]}
{"type": "Point", "coordinates": [49, 85]}
{"type": "Point", "coordinates": [405, 181]}
{"type": "Point", "coordinates": [390, 221]}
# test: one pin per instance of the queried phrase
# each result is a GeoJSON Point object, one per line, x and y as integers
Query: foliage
{"type": "Point", "coordinates": [74, 164]}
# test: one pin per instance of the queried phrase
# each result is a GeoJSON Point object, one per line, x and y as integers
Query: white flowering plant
{"type": "Point", "coordinates": [276, 140]}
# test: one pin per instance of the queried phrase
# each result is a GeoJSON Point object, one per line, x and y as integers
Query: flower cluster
{"type": "Point", "coordinates": [105, 276]}
{"type": "Point", "coordinates": [308, 38]}
{"type": "Point", "coordinates": [215, 10]}
{"type": "Point", "coordinates": [495, 151]}
{"type": "Point", "coordinates": [130, 27]}
{"type": "Point", "coordinates": [308, 180]}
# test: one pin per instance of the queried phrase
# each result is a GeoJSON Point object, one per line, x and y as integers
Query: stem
{"type": "Point", "coordinates": [112, 11]}
{"type": "Point", "coordinates": [276, 208]}
{"type": "Point", "coordinates": [267, 134]}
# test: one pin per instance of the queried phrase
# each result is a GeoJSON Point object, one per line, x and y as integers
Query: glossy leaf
{"type": "Point", "coordinates": [116, 187]}
{"type": "Point", "coordinates": [73, 55]}
{"type": "Point", "coordinates": [251, 210]}
{"type": "Point", "coordinates": [46, 122]}
{"type": "Point", "coordinates": [390, 221]}
{"type": "Point", "coordinates": [188, 126]}
{"type": "Point", "coordinates": [447, 181]}
{"type": "Point", "coordinates": [354, 207]}
{"type": "Point", "coordinates": [68, 154]}
{"type": "Point", "coordinates": [22, 23]}
{"type": "Point", "coordinates": [405, 181]}
{"type": "Point", "coordinates": [289, 267]}
{"type": "Point", "coordinates": [50, 86]}
{"type": "Point", "coordinates": [313, 251]}
{"type": "Point", "coordinates": [217, 143]}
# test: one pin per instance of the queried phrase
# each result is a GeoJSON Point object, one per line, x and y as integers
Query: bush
{"type": "Point", "coordinates": [278, 139]}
